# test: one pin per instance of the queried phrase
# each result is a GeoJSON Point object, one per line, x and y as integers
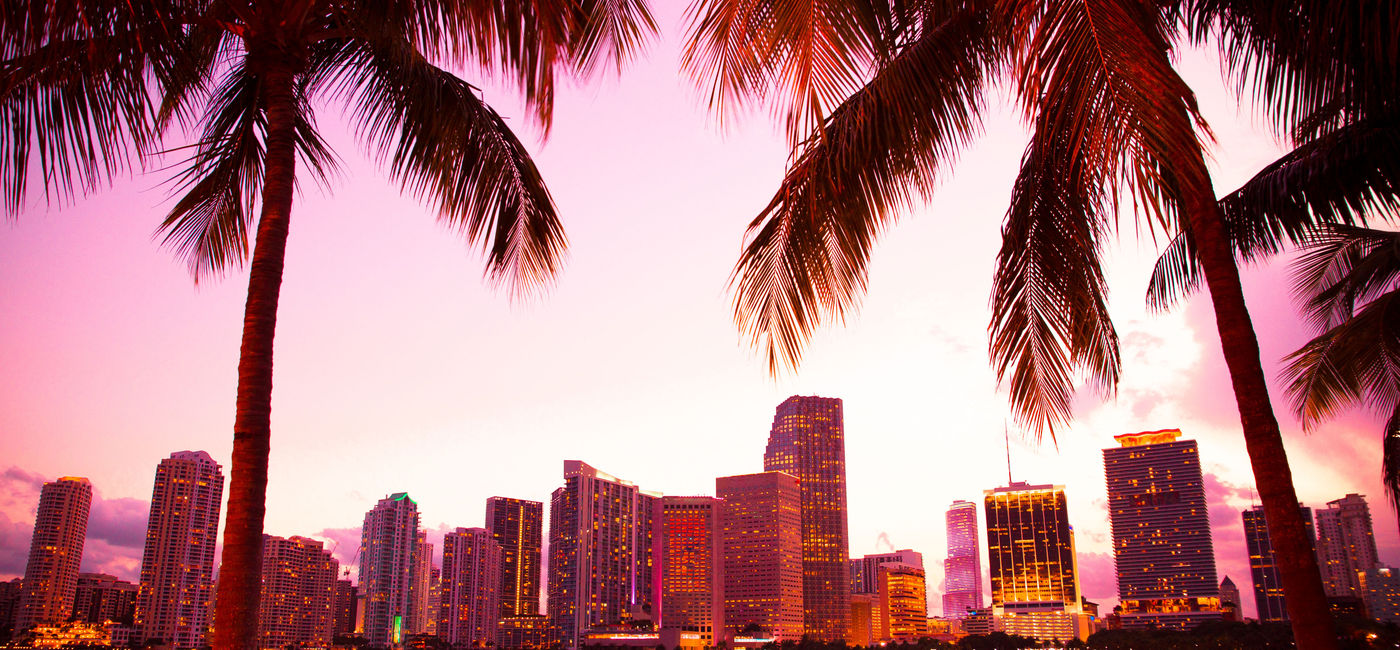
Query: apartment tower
{"type": "Point", "coordinates": [1161, 532]}
{"type": "Point", "coordinates": [389, 548]}
{"type": "Point", "coordinates": [903, 602]}
{"type": "Point", "coordinates": [297, 606]}
{"type": "Point", "coordinates": [760, 518]}
{"type": "Point", "coordinates": [471, 588]}
{"type": "Point", "coordinates": [55, 552]}
{"type": "Point", "coordinates": [1030, 555]}
{"type": "Point", "coordinates": [176, 601]}
{"type": "Point", "coordinates": [808, 441]}
{"type": "Point", "coordinates": [1346, 545]}
{"type": "Point", "coordinates": [690, 591]}
{"type": "Point", "coordinates": [865, 571]}
{"type": "Point", "coordinates": [1263, 571]}
{"type": "Point", "coordinates": [101, 597]}
{"type": "Point", "coordinates": [962, 569]}
{"type": "Point", "coordinates": [518, 526]}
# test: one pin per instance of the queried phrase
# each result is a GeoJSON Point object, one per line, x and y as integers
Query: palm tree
{"type": "Point", "coordinates": [89, 86]}
{"type": "Point", "coordinates": [1109, 115]}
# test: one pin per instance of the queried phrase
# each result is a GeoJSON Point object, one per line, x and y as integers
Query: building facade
{"type": "Point", "coordinates": [297, 605]}
{"type": "Point", "coordinates": [471, 587]}
{"type": "Point", "coordinates": [346, 607]}
{"type": "Point", "coordinates": [1031, 558]}
{"type": "Point", "coordinates": [808, 440]}
{"type": "Point", "coordinates": [761, 526]}
{"type": "Point", "coordinates": [55, 552]}
{"type": "Point", "coordinates": [1380, 589]}
{"type": "Point", "coordinates": [518, 526]}
{"type": "Point", "coordinates": [865, 570]}
{"type": "Point", "coordinates": [690, 555]}
{"type": "Point", "coordinates": [1263, 571]}
{"type": "Point", "coordinates": [1162, 549]}
{"type": "Point", "coordinates": [176, 601]}
{"type": "Point", "coordinates": [389, 548]}
{"type": "Point", "coordinates": [601, 532]}
{"type": "Point", "coordinates": [962, 569]}
{"type": "Point", "coordinates": [903, 602]}
{"type": "Point", "coordinates": [1346, 545]}
{"type": "Point", "coordinates": [1230, 601]}
{"type": "Point", "coordinates": [100, 598]}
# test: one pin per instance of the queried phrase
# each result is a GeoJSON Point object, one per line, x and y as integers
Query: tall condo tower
{"type": "Point", "coordinates": [1030, 555]}
{"type": "Point", "coordinates": [297, 607]}
{"type": "Point", "coordinates": [1346, 545]}
{"type": "Point", "coordinates": [865, 571]}
{"type": "Point", "coordinates": [422, 591]}
{"type": "Point", "coordinates": [55, 552]}
{"type": "Point", "coordinates": [760, 517]}
{"type": "Point", "coordinates": [176, 601]}
{"type": "Point", "coordinates": [389, 548]}
{"type": "Point", "coordinates": [518, 526]}
{"type": "Point", "coordinates": [962, 570]}
{"type": "Point", "coordinates": [600, 551]}
{"type": "Point", "coordinates": [690, 593]}
{"type": "Point", "coordinates": [1161, 531]}
{"type": "Point", "coordinates": [808, 440]}
{"type": "Point", "coordinates": [1268, 591]}
{"type": "Point", "coordinates": [471, 584]}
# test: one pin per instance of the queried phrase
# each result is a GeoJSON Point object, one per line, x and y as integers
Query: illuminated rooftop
{"type": "Point", "coordinates": [1158, 437]}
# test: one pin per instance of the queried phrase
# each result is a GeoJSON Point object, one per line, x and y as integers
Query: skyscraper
{"type": "Point", "coordinates": [903, 602]}
{"type": "Point", "coordinates": [1268, 591]}
{"type": "Point", "coordinates": [1346, 545]}
{"type": "Point", "coordinates": [346, 607]}
{"type": "Point", "coordinates": [808, 441]}
{"type": "Point", "coordinates": [691, 559]}
{"type": "Point", "coordinates": [55, 552]}
{"type": "Point", "coordinates": [176, 601]}
{"type": "Point", "coordinates": [1030, 555]}
{"type": "Point", "coordinates": [297, 604]}
{"type": "Point", "coordinates": [962, 570]}
{"type": "Point", "coordinates": [471, 587]}
{"type": "Point", "coordinates": [865, 571]}
{"type": "Point", "coordinates": [421, 588]}
{"type": "Point", "coordinates": [761, 523]}
{"type": "Point", "coordinates": [388, 552]}
{"type": "Point", "coordinates": [1230, 601]}
{"type": "Point", "coordinates": [1161, 531]}
{"type": "Point", "coordinates": [600, 555]}
{"type": "Point", "coordinates": [518, 526]}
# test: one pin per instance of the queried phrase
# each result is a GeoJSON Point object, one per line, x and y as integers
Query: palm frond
{"type": "Point", "coordinates": [1355, 362]}
{"type": "Point", "coordinates": [1344, 267]}
{"type": "Point", "coordinates": [807, 251]}
{"type": "Point", "coordinates": [610, 31]}
{"type": "Point", "coordinates": [447, 146]}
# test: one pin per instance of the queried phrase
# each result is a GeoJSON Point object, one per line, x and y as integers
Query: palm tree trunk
{"type": "Point", "coordinates": [236, 615]}
{"type": "Point", "coordinates": [1293, 548]}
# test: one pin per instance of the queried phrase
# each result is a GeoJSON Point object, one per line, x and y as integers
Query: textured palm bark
{"type": "Point", "coordinates": [1293, 549]}
{"type": "Point", "coordinates": [236, 613]}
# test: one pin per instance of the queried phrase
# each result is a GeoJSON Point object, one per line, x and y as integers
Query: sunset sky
{"type": "Point", "coordinates": [399, 369]}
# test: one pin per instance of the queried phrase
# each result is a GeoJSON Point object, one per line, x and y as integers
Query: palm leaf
{"type": "Point", "coordinates": [1355, 362]}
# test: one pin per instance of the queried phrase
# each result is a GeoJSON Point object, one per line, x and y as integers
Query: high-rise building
{"type": "Point", "coordinates": [55, 552]}
{"type": "Point", "coordinates": [962, 570]}
{"type": "Point", "coordinates": [600, 554]}
{"type": "Point", "coordinates": [389, 548]}
{"type": "Point", "coordinates": [176, 601]}
{"type": "Point", "coordinates": [1263, 571]}
{"type": "Point", "coordinates": [100, 598]}
{"type": "Point", "coordinates": [865, 571]}
{"type": "Point", "coordinates": [1346, 545]}
{"type": "Point", "coordinates": [1380, 589]}
{"type": "Point", "coordinates": [471, 587]}
{"type": "Point", "coordinates": [691, 560]}
{"type": "Point", "coordinates": [903, 602]}
{"type": "Point", "coordinates": [421, 588]}
{"type": "Point", "coordinates": [518, 526]}
{"type": "Point", "coordinates": [297, 605]}
{"type": "Point", "coordinates": [760, 516]}
{"type": "Point", "coordinates": [865, 614]}
{"type": "Point", "coordinates": [1161, 532]}
{"type": "Point", "coordinates": [1230, 601]}
{"type": "Point", "coordinates": [346, 607]}
{"type": "Point", "coordinates": [1030, 555]}
{"type": "Point", "coordinates": [808, 440]}
{"type": "Point", "coordinates": [10, 592]}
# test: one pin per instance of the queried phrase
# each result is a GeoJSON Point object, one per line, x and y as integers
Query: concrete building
{"type": "Point", "coordinates": [346, 607]}
{"type": "Point", "coordinates": [690, 556]}
{"type": "Point", "coordinates": [523, 633]}
{"type": "Point", "coordinates": [423, 595]}
{"type": "Point", "coordinates": [1031, 558]}
{"type": "Point", "coordinates": [389, 548]}
{"type": "Point", "coordinates": [865, 616]}
{"type": "Point", "coordinates": [471, 587]}
{"type": "Point", "coordinates": [903, 603]}
{"type": "Point", "coordinates": [808, 441]}
{"type": "Point", "coordinates": [962, 569]}
{"type": "Point", "coordinates": [865, 570]}
{"type": "Point", "coordinates": [1230, 601]}
{"type": "Point", "coordinates": [1346, 545]}
{"type": "Point", "coordinates": [601, 554]}
{"type": "Point", "coordinates": [55, 552]}
{"type": "Point", "coordinates": [761, 520]}
{"type": "Point", "coordinates": [1380, 588]}
{"type": "Point", "coordinates": [1263, 571]}
{"type": "Point", "coordinates": [518, 526]}
{"type": "Point", "coordinates": [1162, 549]}
{"type": "Point", "coordinates": [176, 603]}
{"type": "Point", "coordinates": [100, 598]}
{"type": "Point", "coordinates": [297, 606]}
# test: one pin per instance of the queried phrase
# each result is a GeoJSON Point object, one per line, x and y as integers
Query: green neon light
{"type": "Point", "coordinates": [398, 629]}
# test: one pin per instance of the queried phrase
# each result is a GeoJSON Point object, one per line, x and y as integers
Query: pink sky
{"type": "Point", "coordinates": [399, 370]}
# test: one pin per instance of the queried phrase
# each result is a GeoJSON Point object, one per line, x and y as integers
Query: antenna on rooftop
{"type": "Point", "coordinates": [1006, 432]}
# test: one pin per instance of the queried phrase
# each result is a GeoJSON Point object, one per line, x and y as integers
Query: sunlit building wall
{"type": "Point", "coordinates": [601, 531]}
{"type": "Point", "coordinates": [518, 526]}
{"type": "Point", "coordinates": [471, 587]}
{"type": "Point", "coordinates": [1346, 545]}
{"type": "Point", "coordinates": [1162, 549]}
{"type": "Point", "coordinates": [55, 552]}
{"type": "Point", "coordinates": [865, 570]}
{"type": "Point", "coordinates": [1263, 571]}
{"type": "Point", "coordinates": [962, 569]}
{"type": "Point", "coordinates": [297, 603]}
{"type": "Point", "coordinates": [903, 602]}
{"type": "Point", "coordinates": [808, 441]}
{"type": "Point", "coordinates": [176, 602]}
{"type": "Point", "coordinates": [1030, 555]}
{"type": "Point", "coordinates": [761, 520]}
{"type": "Point", "coordinates": [691, 561]}
{"type": "Point", "coordinates": [389, 547]}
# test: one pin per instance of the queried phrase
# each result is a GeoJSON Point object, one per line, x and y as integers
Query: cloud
{"type": "Point", "coordinates": [119, 522]}
{"type": "Point", "coordinates": [1098, 579]}
{"type": "Point", "coordinates": [14, 546]}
